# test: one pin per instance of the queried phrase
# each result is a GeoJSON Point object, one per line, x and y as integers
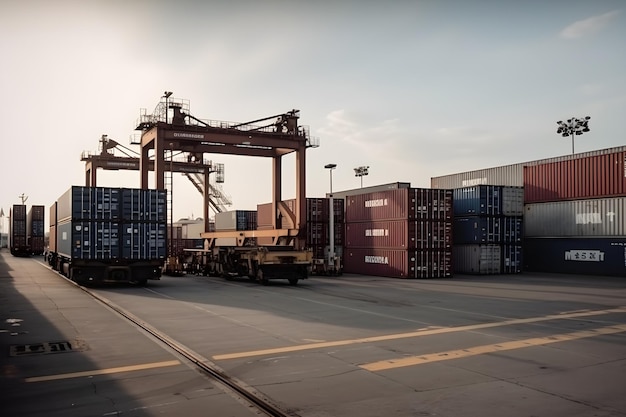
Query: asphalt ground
{"type": "Point", "coordinates": [516, 345]}
{"type": "Point", "coordinates": [63, 353]}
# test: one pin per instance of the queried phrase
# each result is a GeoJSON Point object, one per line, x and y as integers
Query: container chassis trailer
{"type": "Point", "coordinates": [258, 263]}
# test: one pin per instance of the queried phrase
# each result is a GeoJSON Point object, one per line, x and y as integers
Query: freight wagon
{"type": "Point", "coordinates": [100, 235]}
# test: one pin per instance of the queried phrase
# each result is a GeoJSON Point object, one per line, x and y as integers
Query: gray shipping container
{"type": "Point", "coordinates": [598, 217]}
{"type": "Point", "coordinates": [477, 259]}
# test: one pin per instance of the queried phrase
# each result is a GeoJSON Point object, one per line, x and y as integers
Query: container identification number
{"type": "Point", "coordinates": [377, 260]}
{"type": "Point", "coordinates": [376, 232]}
{"type": "Point", "coordinates": [584, 255]}
{"type": "Point", "coordinates": [380, 202]}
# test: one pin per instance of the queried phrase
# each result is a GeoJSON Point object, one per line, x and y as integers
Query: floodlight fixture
{"type": "Point", "coordinates": [573, 127]}
{"type": "Point", "coordinates": [361, 172]}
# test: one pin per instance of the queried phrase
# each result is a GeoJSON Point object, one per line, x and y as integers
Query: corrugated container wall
{"type": "Point", "coordinates": [400, 204]}
{"type": "Point", "coordinates": [595, 176]}
{"type": "Point", "coordinates": [19, 235]}
{"type": "Point", "coordinates": [101, 223]}
{"type": "Point", "coordinates": [399, 234]}
{"type": "Point", "coordinates": [36, 228]}
{"type": "Point", "coordinates": [511, 175]}
{"type": "Point", "coordinates": [236, 220]}
{"type": "Point", "coordinates": [581, 256]}
{"type": "Point", "coordinates": [592, 217]}
{"type": "Point", "coordinates": [478, 200]}
{"type": "Point", "coordinates": [477, 259]}
{"type": "Point", "coordinates": [398, 263]}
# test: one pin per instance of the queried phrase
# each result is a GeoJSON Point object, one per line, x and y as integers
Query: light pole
{"type": "Point", "coordinates": [573, 127]}
{"type": "Point", "coordinates": [167, 95]}
{"type": "Point", "coordinates": [361, 172]}
{"type": "Point", "coordinates": [331, 221]}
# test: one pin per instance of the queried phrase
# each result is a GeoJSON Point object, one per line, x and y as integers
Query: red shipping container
{"type": "Point", "coordinates": [399, 234]}
{"type": "Point", "coordinates": [398, 263]}
{"type": "Point", "coordinates": [400, 204]}
{"type": "Point", "coordinates": [594, 176]}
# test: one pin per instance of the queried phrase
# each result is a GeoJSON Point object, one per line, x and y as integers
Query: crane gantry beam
{"type": "Point", "coordinates": [183, 132]}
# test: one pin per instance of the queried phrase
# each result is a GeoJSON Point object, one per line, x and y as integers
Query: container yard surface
{"type": "Point", "coordinates": [62, 353]}
{"type": "Point", "coordinates": [527, 345]}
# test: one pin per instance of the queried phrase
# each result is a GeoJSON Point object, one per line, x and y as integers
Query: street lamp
{"type": "Point", "coordinates": [331, 221]}
{"type": "Point", "coordinates": [361, 172]}
{"type": "Point", "coordinates": [167, 95]}
{"type": "Point", "coordinates": [573, 127]}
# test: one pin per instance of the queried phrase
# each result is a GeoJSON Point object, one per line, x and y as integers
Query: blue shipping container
{"type": "Point", "coordinates": [144, 205]}
{"type": "Point", "coordinates": [88, 239]}
{"type": "Point", "coordinates": [477, 229]}
{"type": "Point", "coordinates": [512, 229]}
{"type": "Point", "coordinates": [89, 203]}
{"type": "Point", "coordinates": [143, 240]}
{"type": "Point", "coordinates": [478, 200]}
{"type": "Point", "coordinates": [580, 256]}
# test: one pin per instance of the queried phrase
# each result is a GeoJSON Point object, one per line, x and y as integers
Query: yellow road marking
{"type": "Point", "coordinates": [418, 333]}
{"type": "Point", "coordinates": [103, 371]}
{"type": "Point", "coordinates": [496, 347]}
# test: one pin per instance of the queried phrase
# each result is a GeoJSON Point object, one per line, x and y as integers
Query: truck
{"type": "Point", "coordinates": [108, 235]}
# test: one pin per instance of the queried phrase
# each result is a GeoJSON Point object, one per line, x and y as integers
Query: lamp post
{"type": "Point", "coordinates": [573, 127]}
{"type": "Point", "coordinates": [361, 172]}
{"type": "Point", "coordinates": [171, 205]}
{"type": "Point", "coordinates": [167, 95]}
{"type": "Point", "coordinates": [331, 221]}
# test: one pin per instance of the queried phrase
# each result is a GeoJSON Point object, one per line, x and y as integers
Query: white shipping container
{"type": "Point", "coordinates": [598, 217]}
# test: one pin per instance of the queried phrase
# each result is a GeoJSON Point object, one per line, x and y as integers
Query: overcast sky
{"type": "Point", "coordinates": [411, 88]}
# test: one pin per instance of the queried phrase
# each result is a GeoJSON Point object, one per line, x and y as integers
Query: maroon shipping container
{"type": "Point", "coordinates": [400, 204]}
{"type": "Point", "coordinates": [399, 234]}
{"type": "Point", "coordinates": [398, 263]}
{"type": "Point", "coordinates": [594, 176]}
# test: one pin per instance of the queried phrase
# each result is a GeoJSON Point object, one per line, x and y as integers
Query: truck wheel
{"type": "Point", "coordinates": [293, 281]}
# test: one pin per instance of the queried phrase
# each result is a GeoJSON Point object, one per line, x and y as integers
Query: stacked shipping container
{"type": "Point", "coordinates": [19, 231]}
{"type": "Point", "coordinates": [488, 229]}
{"type": "Point", "coordinates": [575, 215]}
{"type": "Point", "coordinates": [399, 233]}
{"type": "Point", "coordinates": [36, 229]}
{"type": "Point", "coordinates": [99, 223]}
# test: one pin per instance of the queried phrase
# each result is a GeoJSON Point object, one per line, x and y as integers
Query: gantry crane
{"type": "Point", "coordinates": [276, 137]}
{"type": "Point", "coordinates": [194, 168]}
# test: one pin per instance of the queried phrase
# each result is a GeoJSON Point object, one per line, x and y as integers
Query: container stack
{"type": "Point", "coordinates": [400, 233]}
{"type": "Point", "coordinates": [36, 229]}
{"type": "Point", "coordinates": [575, 215]}
{"type": "Point", "coordinates": [19, 233]}
{"type": "Point", "coordinates": [101, 223]}
{"type": "Point", "coordinates": [488, 229]}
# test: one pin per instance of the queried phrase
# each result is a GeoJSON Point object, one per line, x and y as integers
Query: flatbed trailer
{"type": "Point", "coordinates": [259, 263]}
